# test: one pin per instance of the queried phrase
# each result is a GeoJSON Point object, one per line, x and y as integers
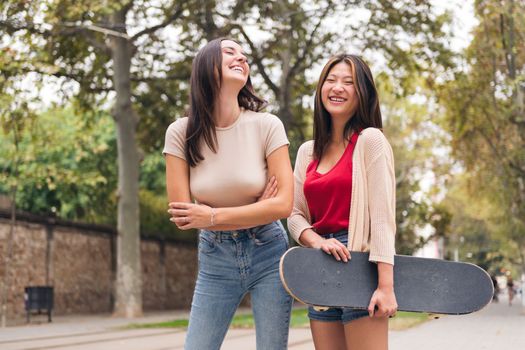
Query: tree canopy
{"type": "Point", "coordinates": [485, 117]}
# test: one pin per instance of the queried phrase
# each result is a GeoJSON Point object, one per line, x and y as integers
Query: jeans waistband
{"type": "Point", "coordinates": [239, 234]}
{"type": "Point", "coordinates": [336, 234]}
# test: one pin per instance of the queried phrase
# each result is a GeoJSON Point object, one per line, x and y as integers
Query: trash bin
{"type": "Point", "coordinates": [38, 298]}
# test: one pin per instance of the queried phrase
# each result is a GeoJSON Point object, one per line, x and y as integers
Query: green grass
{"type": "Point", "coordinates": [403, 320]}
{"type": "Point", "coordinates": [299, 318]}
{"type": "Point", "coordinates": [169, 324]}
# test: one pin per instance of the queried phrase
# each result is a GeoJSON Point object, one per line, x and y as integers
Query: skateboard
{"type": "Point", "coordinates": [420, 284]}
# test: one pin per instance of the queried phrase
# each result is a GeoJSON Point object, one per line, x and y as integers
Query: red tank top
{"type": "Point", "coordinates": [328, 195]}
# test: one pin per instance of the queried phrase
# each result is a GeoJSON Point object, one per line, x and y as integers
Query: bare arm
{"type": "Point", "coordinates": [177, 179]}
{"type": "Point", "coordinates": [299, 220]}
{"type": "Point", "coordinates": [188, 215]}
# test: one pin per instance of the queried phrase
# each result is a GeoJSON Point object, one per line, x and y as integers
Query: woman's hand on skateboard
{"type": "Point", "coordinates": [335, 248]}
{"type": "Point", "coordinates": [331, 246]}
{"type": "Point", "coordinates": [383, 303]}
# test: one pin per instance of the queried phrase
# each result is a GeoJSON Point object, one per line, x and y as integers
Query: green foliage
{"type": "Point", "coordinates": [484, 115]}
{"type": "Point", "coordinates": [154, 218]}
{"type": "Point", "coordinates": [69, 40]}
{"type": "Point", "coordinates": [68, 170]}
{"type": "Point", "coordinates": [474, 228]}
{"type": "Point", "coordinates": [408, 127]}
{"type": "Point", "coordinates": [412, 38]}
{"type": "Point", "coordinates": [152, 173]}
{"type": "Point", "coordinates": [67, 166]}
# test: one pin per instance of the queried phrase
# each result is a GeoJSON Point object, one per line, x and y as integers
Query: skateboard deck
{"type": "Point", "coordinates": [420, 284]}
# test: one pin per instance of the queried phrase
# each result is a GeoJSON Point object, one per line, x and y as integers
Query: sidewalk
{"type": "Point", "coordinates": [496, 327]}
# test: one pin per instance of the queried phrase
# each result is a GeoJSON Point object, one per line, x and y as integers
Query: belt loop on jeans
{"type": "Point", "coordinates": [218, 237]}
{"type": "Point", "coordinates": [335, 234]}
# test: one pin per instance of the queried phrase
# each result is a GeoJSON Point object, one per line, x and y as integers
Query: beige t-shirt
{"type": "Point", "coordinates": [237, 174]}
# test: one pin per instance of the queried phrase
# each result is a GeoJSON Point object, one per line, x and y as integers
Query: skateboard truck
{"type": "Point", "coordinates": [320, 308]}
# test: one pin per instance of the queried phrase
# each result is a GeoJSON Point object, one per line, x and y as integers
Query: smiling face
{"type": "Point", "coordinates": [234, 67]}
{"type": "Point", "coordinates": [338, 93]}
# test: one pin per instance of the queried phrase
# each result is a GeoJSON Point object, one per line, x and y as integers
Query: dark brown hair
{"type": "Point", "coordinates": [367, 113]}
{"type": "Point", "coordinates": [205, 84]}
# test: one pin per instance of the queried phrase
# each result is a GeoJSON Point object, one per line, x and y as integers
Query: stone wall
{"type": "Point", "coordinates": [79, 262]}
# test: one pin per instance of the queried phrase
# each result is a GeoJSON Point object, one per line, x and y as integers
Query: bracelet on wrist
{"type": "Point", "coordinates": [212, 217]}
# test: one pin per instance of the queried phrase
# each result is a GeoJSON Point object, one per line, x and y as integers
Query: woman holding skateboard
{"type": "Point", "coordinates": [221, 156]}
{"type": "Point", "coordinates": [345, 199]}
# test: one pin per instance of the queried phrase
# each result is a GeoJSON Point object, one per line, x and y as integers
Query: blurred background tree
{"type": "Point", "coordinates": [484, 114]}
{"type": "Point", "coordinates": [106, 53]}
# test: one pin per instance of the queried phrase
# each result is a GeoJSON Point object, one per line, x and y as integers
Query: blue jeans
{"type": "Point", "coordinates": [337, 314]}
{"type": "Point", "coordinates": [231, 264]}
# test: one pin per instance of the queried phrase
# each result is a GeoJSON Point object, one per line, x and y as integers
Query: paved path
{"type": "Point", "coordinates": [496, 327]}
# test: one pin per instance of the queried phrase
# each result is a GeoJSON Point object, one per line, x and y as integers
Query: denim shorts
{"type": "Point", "coordinates": [337, 314]}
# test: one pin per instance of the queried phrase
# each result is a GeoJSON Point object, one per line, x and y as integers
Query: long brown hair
{"type": "Point", "coordinates": [205, 84]}
{"type": "Point", "coordinates": [367, 114]}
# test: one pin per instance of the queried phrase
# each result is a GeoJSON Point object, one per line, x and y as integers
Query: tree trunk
{"type": "Point", "coordinates": [128, 298]}
{"type": "Point", "coordinates": [210, 28]}
{"type": "Point", "coordinates": [285, 89]}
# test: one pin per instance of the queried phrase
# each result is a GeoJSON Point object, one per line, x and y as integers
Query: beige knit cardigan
{"type": "Point", "coordinates": [372, 226]}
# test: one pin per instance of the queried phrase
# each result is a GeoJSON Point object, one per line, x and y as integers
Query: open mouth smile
{"type": "Point", "coordinates": [237, 69]}
{"type": "Point", "coordinates": [337, 99]}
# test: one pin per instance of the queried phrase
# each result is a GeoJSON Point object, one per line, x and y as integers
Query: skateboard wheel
{"type": "Point", "coordinates": [320, 308]}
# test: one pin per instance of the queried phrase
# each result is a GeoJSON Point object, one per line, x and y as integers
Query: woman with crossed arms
{"type": "Point", "coordinates": [222, 156]}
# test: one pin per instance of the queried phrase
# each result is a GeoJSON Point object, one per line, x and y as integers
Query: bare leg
{"type": "Point", "coordinates": [328, 335]}
{"type": "Point", "coordinates": [367, 333]}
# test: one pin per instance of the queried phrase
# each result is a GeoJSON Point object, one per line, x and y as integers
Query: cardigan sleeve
{"type": "Point", "coordinates": [299, 220]}
{"type": "Point", "coordinates": [382, 199]}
